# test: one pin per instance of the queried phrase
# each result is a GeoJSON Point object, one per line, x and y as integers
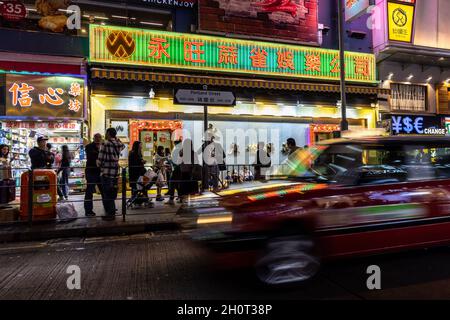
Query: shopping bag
{"type": "Point", "coordinates": [161, 180]}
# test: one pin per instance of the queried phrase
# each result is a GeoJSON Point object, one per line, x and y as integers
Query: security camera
{"type": "Point", "coordinates": [151, 94]}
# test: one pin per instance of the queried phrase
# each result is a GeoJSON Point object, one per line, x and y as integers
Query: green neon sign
{"type": "Point", "coordinates": [140, 47]}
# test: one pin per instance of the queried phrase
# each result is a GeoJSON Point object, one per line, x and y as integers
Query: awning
{"type": "Point", "coordinates": [229, 82]}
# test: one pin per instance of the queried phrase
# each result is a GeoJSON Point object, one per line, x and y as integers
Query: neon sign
{"type": "Point", "coordinates": [139, 47]}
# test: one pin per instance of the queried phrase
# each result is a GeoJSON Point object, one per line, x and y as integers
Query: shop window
{"type": "Point", "coordinates": [408, 97]}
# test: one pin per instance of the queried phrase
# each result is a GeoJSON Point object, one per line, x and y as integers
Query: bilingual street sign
{"type": "Point", "coordinates": [204, 97]}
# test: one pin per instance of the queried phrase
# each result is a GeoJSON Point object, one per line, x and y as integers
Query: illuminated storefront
{"type": "Point", "coordinates": [43, 104]}
{"type": "Point", "coordinates": [281, 86]}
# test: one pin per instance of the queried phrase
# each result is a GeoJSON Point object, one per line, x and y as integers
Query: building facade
{"type": "Point", "coordinates": [282, 87]}
{"type": "Point", "coordinates": [411, 42]}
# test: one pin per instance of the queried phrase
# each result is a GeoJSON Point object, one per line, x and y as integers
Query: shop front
{"type": "Point", "coordinates": [274, 101]}
{"type": "Point", "coordinates": [43, 105]}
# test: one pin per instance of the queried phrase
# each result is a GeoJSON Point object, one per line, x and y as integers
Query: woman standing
{"type": "Point", "coordinates": [5, 173]}
{"type": "Point", "coordinates": [64, 172]}
{"type": "Point", "coordinates": [160, 169]}
{"type": "Point", "coordinates": [7, 189]}
{"type": "Point", "coordinates": [135, 166]}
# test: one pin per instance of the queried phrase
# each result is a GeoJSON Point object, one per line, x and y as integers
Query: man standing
{"type": "Point", "coordinates": [92, 174]}
{"type": "Point", "coordinates": [292, 145]}
{"type": "Point", "coordinates": [39, 155]}
{"type": "Point", "coordinates": [108, 161]}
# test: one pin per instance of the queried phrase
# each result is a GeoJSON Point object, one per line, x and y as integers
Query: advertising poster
{"type": "Point", "coordinates": [288, 20]}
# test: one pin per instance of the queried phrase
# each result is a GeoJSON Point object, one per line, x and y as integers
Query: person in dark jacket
{"type": "Point", "coordinates": [92, 174]}
{"type": "Point", "coordinates": [64, 173]}
{"type": "Point", "coordinates": [39, 155]}
{"type": "Point", "coordinates": [135, 166]}
{"type": "Point", "coordinates": [262, 161]}
{"type": "Point", "coordinates": [50, 156]}
{"type": "Point", "coordinates": [189, 176]}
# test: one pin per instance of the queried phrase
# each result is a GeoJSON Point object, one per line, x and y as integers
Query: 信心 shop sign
{"type": "Point", "coordinates": [44, 96]}
{"type": "Point", "coordinates": [151, 48]}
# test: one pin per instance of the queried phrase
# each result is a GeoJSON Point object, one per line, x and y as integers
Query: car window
{"type": "Point", "coordinates": [378, 164]}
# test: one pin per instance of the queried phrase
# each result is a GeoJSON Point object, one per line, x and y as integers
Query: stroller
{"type": "Point", "coordinates": [144, 184]}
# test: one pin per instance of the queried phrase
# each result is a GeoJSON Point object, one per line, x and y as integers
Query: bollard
{"type": "Point", "coordinates": [30, 197]}
{"type": "Point", "coordinates": [124, 193]}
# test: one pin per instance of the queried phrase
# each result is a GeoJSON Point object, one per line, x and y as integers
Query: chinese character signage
{"type": "Point", "coordinates": [138, 47]}
{"type": "Point", "coordinates": [72, 126]}
{"type": "Point", "coordinates": [288, 20]}
{"type": "Point", "coordinates": [44, 96]}
{"type": "Point", "coordinates": [400, 21]}
{"type": "Point", "coordinates": [416, 125]}
{"type": "Point", "coordinates": [356, 8]}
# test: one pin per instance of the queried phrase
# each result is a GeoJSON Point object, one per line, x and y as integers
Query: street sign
{"type": "Point", "coordinates": [204, 97]}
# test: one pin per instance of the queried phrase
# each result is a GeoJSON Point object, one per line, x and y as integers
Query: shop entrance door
{"type": "Point", "coordinates": [163, 138]}
{"type": "Point", "coordinates": [147, 138]}
{"type": "Point", "coordinates": [151, 140]}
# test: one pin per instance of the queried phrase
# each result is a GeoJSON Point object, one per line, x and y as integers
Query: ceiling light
{"type": "Point", "coordinates": [119, 17]}
{"type": "Point", "coordinates": [95, 17]}
{"type": "Point", "coordinates": [410, 77]}
{"type": "Point", "coordinates": [429, 78]}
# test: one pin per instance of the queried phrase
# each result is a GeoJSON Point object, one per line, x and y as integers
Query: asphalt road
{"type": "Point", "coordinates": [169, 266]}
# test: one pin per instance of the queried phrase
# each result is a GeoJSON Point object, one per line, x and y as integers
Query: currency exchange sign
{"type": "Point", "coordinates": [417, 125]}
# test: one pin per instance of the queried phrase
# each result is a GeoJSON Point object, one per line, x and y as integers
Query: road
{"type": "Point", "coordinates": [169, 266]}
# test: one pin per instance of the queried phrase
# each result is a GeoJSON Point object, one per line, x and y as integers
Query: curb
{"type": "Point", "coordinates": [87, 232]}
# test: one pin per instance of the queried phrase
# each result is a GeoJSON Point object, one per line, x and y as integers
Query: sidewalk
{"type": "Point", "coordinates": [161, 217]}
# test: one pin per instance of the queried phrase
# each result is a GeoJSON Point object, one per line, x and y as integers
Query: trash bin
{"type": "Point", "coordinates": [44, 195]}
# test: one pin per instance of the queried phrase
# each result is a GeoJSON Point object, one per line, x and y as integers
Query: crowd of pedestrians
{"type": "Point", "coordinates": [180, 169]}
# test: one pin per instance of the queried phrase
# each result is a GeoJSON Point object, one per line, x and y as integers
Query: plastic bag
{"type": "Point", "coordinates": [161, 179]}
{"type": "Point", "coordinates": [66, 211]}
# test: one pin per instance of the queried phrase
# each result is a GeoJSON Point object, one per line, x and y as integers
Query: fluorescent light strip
{"type": "Point", "coordinates": [122, 17]}
{"type": "Point", "coordinates": [152, 23]}
{"type": "Point", "coordinates": [95, 17]}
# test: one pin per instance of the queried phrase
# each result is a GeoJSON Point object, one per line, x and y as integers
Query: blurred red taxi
{"type": "Point", "coordinates": [342, 198]}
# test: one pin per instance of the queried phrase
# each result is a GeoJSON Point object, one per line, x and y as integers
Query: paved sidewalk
{"type": "Point", "coordinates": [161, 217]}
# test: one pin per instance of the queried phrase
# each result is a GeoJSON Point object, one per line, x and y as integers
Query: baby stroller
{"type": "Point", "coordinates": [144, 184]}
